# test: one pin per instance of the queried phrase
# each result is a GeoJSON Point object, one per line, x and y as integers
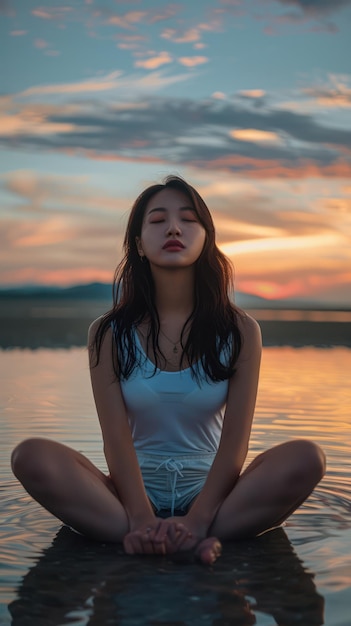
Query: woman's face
{"type": "Point", "coordinates": [171, 234]}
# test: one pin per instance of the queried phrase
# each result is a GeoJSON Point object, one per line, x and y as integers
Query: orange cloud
{"type": "Point", "coordinates": [12, 125]}
{"type": "Point", "coordinates": [154, 62]}
{"type": "Point", "coordinates": [104, 84]}
{"type": "Point", "coordinates": [97, 156]}
{"type": "Point", "coordinates": [268, 244]}
{"type": "Point", "coordinates": [72, 194]}
{"type": "Point", "coordinates": [227, 227]}
{"type": "Point", "coordinates": [255, 136]}
{"type": "Point", "coordinates": [188, 36]}
{"type": "Point", "coordinates": [250, 167]}
{"type": "Point", "coordinates": [300, 284]}
{"type": "Point", "coordinates": [127, 20]}
{"type": "Point", "coordinates": [58, 277]}
{"type": "Point", "coordinates": [269, 289]}
{"type": "Point", "coordinates": [46, 233]}
{"type": "Point", "coordinates": [253, 93]}
{"type": "Point", "coordinates": [339, 205]}
{"type": "Point", "coordinates": [55, 13]}
{"type": "Point", "coordinates": [336, 94]}
{"type": "Point", "coordinates": [192, 61]}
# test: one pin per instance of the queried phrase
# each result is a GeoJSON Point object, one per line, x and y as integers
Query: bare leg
{"type": "Point", "coordinates": [69, 486]}
{"type": "Point", "coordinates": [269, 490]}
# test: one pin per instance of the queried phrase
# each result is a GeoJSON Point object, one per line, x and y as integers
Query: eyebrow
{"type": "Point", "coordinates": [164, 210]}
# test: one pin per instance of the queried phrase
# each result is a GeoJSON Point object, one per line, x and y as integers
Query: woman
{"type": "Point", "coordinates": [174, 370]}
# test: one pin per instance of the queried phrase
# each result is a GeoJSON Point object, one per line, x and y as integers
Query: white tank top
{"type": "Point", "coordinates": [170, 412]}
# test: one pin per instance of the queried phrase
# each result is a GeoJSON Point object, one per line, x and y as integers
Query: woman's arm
{"type": "Point", "coordinates": [118, 444]}
{"type": "Point", "coordinates": [144, 526]}
{"type": "Point", "coordinates": [236, 431]}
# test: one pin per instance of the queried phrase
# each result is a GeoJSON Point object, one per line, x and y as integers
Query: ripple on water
{"type": "Point", "coordinates": [303, 393]}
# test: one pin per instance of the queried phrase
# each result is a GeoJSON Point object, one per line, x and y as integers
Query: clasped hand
{"type": "Point", "coordinates": [174, 534]}
{"type": "Point", "coordinates": [161, 536]}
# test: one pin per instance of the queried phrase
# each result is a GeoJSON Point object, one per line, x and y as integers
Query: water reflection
{"type": "Point", "coordinates": [303, 392]}
{"type": "Point", "coordinates": [77, 581]}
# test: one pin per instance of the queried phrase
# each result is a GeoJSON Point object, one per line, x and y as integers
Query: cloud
{"type": "Point", "coordinates": [129, 42]}
{"type": "Point", "coordinates": [314, 14]}
{"type": "Point", "coordinates": [255, 136]}
{"type": "Point", "coordinates": [270, 239]}
{"type": "Point", "coordinates": [154, 62]}
{"type": "Point", "coordinates": [178, 36]}
{"type": "Point", "coordinates": [192, 61]}
{"type": "Point", "coordinates": [270, 244]}
{"type": "Point", "coordinates": [223, 134]}
{"type": "Point", "coordinates": [52, 13]}
{"type": "Point", "coordinates": [106, 83]}
{"type": "Point", "coordinates": [150, 16]}
{"type": "Point", "coordinates": [252, 93]}
{"type": "Point", "coordinates": [22, 125]}
{"type": "Point", "coordinates": [59, 229]}
{"type": "Point", "coordinates": [114, 81]}
{"type": "Point", "coordinates": [44, 237]}
{"type": "Point", "coordinates": [18, 33]}
{"type": "Point", "coordinates": [281, 245]}
{"type": "Point", "coordinates": [335, 94]}
{"type": "Point", "coordinates": [315, 8]}
{"type": "Point", "coordinates": [127, 20]}
{"type": "Point", "coordinates": [36, 194]}
{"type": "Point", "coordinates": [169, 11]}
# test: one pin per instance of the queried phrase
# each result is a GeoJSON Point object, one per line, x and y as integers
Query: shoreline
{"type": "Point", "coordinates": [49, 323]}
{"type": "Point", "coordinates": [66, 332]}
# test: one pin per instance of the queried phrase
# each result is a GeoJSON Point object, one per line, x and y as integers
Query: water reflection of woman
{"type": "Point", "coordinates": [77, 578]}
{"type": "Point", "coordinates": [174, 369]}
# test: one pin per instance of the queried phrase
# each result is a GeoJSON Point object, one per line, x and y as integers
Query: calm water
{"type": "Point", "coordinates": [299, 575]}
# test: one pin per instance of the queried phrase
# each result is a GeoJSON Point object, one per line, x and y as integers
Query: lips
{"type": "Point", "coordinates": [173, 244]}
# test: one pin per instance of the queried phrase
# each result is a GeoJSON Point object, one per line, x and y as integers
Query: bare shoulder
{"type": "Point", "coordinates": [104, 342]}
{"type": "Point", "coordinates": [248, 326]}
{"type": "Point", "coordinates": [93, 328]}
{"type": "Point", "coordinates": [251, 335]}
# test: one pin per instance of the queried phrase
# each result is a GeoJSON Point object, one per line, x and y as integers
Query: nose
{"type": "Point", "coordinates": [173, 227]}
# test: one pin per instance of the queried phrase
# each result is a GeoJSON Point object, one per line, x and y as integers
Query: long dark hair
{"type": "Point", "coordinates": [214, 339]}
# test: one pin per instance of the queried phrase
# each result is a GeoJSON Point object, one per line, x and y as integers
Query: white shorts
{"type": "Point", "coordinates": [173, 481]}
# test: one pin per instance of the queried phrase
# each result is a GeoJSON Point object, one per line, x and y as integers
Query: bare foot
{"type": "Point", "coordinates": [208, 550]}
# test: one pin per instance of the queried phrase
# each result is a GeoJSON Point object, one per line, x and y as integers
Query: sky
{"type": "Point", "coordinates": [249, 101]}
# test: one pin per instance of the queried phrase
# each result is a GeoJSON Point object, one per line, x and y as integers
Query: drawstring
{"type": "Point", "coordinates": [175, 468]}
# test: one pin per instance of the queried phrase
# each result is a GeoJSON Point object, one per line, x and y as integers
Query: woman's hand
{"type": "Point", "coordinates": [156, 536]}
{"type": "Point", "coordinates": [170, 536]}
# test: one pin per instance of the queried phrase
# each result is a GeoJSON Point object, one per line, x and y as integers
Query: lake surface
{"type": "Point", "coordinates": [297, 575]}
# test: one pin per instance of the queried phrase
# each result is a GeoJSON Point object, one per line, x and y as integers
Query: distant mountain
{"type": "Point", "coordinates": [91, 291]}
{"type": "Point", "coordinates": [249, 301]}
{"type": "Point", "coordinates": [96, 291]}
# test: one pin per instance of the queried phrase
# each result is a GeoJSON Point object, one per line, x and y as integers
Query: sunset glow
{"type": "Point", "coordinates": [251, 134]}
{"type": "Point", "coordinates": [192, 90]}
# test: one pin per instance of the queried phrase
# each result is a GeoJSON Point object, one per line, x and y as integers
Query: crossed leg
{"type": "Point", "coordinates": [68, 485]}
{"type": "Point", "coordinates": [275, 484]}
